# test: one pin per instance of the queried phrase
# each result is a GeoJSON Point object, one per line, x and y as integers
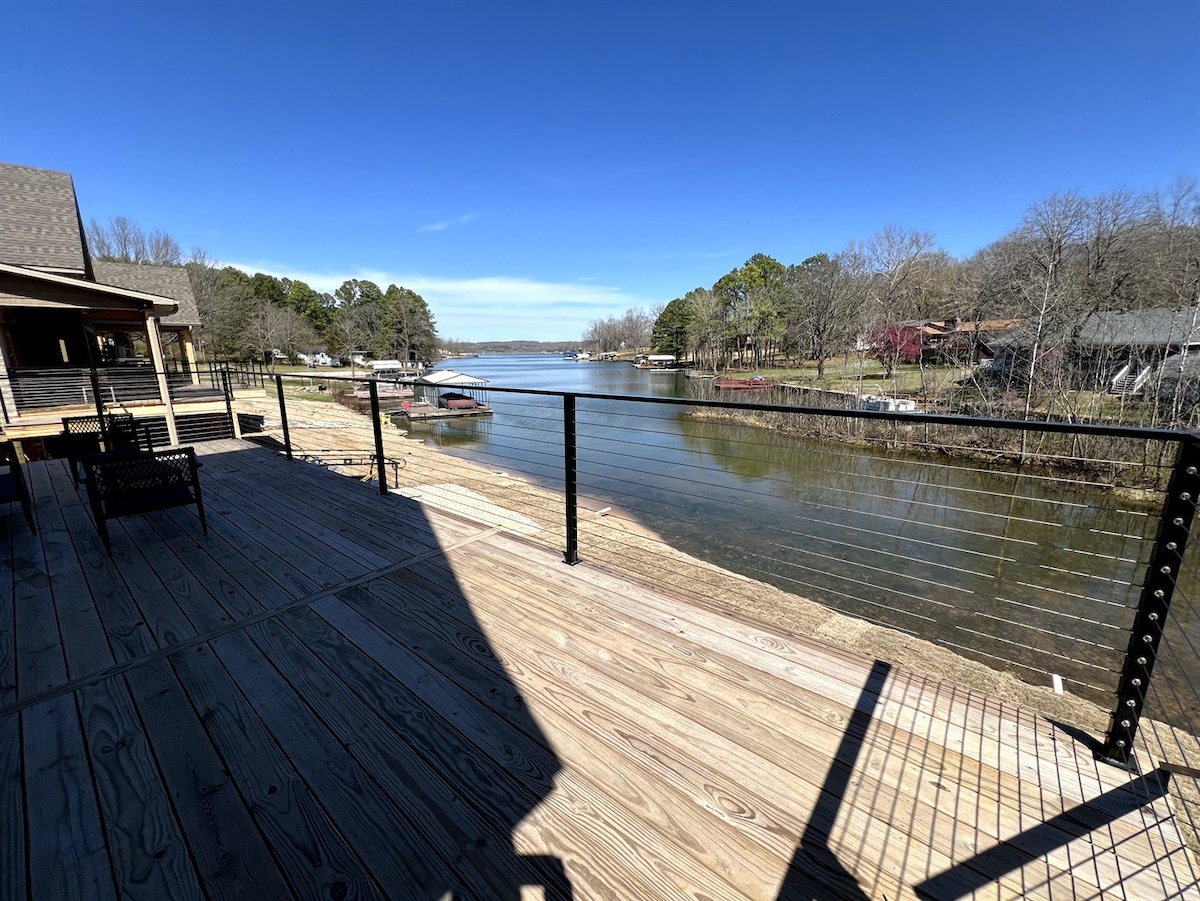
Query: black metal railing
{"type": "Point", "coordinates": [1055, 551]}
{"type": "Point", "coordinates": [36, 400]}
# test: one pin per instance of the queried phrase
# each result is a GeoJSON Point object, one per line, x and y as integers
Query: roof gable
{"type": "Point", "coordinates": [40, 227]}
{"type": "Point", "coordinates": [165, 281]}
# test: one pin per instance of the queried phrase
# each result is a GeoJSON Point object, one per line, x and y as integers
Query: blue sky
{"type": "Point", "coordinates": [529, 167]}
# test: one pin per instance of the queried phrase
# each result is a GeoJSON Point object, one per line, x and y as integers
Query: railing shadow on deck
{"type": "Point", "coordinates": [815, 870]}
{"type": "Point", "coordinates": [1013, 853]}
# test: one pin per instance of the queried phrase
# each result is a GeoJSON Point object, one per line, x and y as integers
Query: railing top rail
{"type": "Point", "coordinates": [1143, 433]}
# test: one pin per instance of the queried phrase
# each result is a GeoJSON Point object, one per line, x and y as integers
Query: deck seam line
{"type": "Point", "coordinates": [195, 641]}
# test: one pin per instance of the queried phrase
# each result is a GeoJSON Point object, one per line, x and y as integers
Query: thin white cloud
{"type": "Point", "coordinates": [444, 224]}
{"type": "Point", "coordinates": [492, 308]}
{"type": "Point", "coordinates": [678, 255]}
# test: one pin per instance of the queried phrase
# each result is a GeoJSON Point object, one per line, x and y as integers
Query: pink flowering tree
{"type": "Point", "coordinates": [894, 344]}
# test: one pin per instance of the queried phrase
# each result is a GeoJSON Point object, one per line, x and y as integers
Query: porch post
{"type": "Point", "coordinates": [189, 353]}
{"type": "Point", "coordinates": [8, 401]}
{"type": "Point", "coordinates": [154, 340]}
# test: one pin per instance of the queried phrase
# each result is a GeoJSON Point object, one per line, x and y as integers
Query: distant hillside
{"type": "Point", "coordinates": [511, 347]}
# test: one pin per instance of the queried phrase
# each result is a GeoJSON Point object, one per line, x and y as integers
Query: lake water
{"type": "Point", "coordinates": [1026, 572]}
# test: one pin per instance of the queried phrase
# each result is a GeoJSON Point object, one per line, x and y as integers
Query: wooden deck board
{"type": "Point", "coordinates": [337, 694]}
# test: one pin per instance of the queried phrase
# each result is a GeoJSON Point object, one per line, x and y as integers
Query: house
{"type": "Point", "coordinates": [78, 335]}
{"type": "Point", "coordinates": [1119, 351]}
{"type": "Point", "coordinates": [961, 341]}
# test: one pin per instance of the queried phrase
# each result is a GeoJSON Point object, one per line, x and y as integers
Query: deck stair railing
{"type": "Point", "coordinates": [1130, 378]}
{"type": "Point", "coordinates": [1056, 551]}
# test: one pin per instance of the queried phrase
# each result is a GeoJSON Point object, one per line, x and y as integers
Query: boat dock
{"type": "Point", "coordinates": [423, 412]}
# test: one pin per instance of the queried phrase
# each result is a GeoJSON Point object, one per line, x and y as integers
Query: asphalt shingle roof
{"type": "Point", "coordinates": [166, 281]}
{"type": "Point", "coordinates": [1142, 328]}
{"type": "Point", "coordinates": [39, 220]}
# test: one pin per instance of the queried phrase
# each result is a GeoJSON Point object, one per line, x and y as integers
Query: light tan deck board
{"type": "Point", "coordinates": [337, 693]}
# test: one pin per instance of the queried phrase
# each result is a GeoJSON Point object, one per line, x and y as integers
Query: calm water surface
{"type": "Point", "coordinates": [1025, 573]}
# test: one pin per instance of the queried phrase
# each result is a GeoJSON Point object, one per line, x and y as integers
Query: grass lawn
{"type": "Point", "coordinates": [867, 376]}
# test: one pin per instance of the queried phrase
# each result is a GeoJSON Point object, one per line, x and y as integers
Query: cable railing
{"type": "Point", "coordinates": [1053, 551]}
{"type": "Point", "coordinates": [34, 401]}
{"type": "Point", "coordinates": [32, 391]}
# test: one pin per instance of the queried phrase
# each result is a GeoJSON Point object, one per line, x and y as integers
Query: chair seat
{"type": "Point", "coordinates": [141, 501]}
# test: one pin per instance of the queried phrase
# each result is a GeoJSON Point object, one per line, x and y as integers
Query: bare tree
{"type": "Point", "coordinates": [162, 249]}
{"type": "Point", "coordinates": [271, 327]}
{"type": "Point", "coordinates": [631, 331]}
{"type": "Point", "coordinates": [1049, 237]}
{"type": "Point", "coordinates": [897, 263]}
{"type": "Point", "coordinates": [1175, 263]}
{"type": "Point", "coordinates": [825, 307]}
{"type": "Point", "coordinates": [122, 240]}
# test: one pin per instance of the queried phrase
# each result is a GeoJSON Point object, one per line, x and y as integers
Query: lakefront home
{"type": "Point", "coordinates": [72, 327]}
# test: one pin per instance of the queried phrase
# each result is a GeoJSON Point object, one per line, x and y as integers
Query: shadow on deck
{"type": "Point", "coordinates": [342, 695]}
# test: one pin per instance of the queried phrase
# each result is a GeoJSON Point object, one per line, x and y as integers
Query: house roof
{"type": "Point", "coordinates": [166, 281]}
{"type": "Point", "coordinates": [54, 290]}
{"type": "Point", "coordinates": [40, 227]}
{"type": "Point", "coordinates": [1142, 328]}
{"type": "Point", "coordinates": [1181, 366]}
{"type": "Point", "coordinates": [41, 232]}
{"type": "Point", "coordinates": [446, 378]}
{"type": "Point", "coordinates": [987, 327]}
{"type": "Point", "coordinates": [1158, 328]}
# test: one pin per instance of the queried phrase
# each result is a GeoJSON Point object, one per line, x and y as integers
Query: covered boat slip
{"type": "Point", "coordinates": [342, 695]}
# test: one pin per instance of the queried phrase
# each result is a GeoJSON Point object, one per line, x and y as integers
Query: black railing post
{"type": "Point", "coordinates": [227, 390]}
{"type": "Point", "coordinates": [1178, 511]}
{"type": "Point", "coordinates": [570, 480]}
{"type": "Point", "coordinates": [380, 462]}
{"type": "Point", "coordinates": [96, 399]}
{"type": "Point", "coordinates": [287, 436]}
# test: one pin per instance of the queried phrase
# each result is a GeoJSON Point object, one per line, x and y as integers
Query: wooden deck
{"type": "Point", "coordinates": [341, 695]}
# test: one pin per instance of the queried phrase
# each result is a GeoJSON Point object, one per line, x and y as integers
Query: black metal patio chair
{"type": "Point", "coordinates": [120, 431]}
{"type": "Point", "coordinates": [128, 482]}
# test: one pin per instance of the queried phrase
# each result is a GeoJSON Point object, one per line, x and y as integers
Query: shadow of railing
{"type": "Point", "coordinates": [1010, 855]}
{"type": "Point", "coordinates": [815, 871]}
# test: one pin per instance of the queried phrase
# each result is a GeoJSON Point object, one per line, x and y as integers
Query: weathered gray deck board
{"type": "Point", "coordinates": [342, 695]}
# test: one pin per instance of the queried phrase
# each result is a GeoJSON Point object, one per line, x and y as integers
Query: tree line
{"type": "Point", "coordinates": [244, 316]}
{"type": "Point", "coordinates": [1070, 258]}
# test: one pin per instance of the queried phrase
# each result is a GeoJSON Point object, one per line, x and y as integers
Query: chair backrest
{"type": "Point", "coordinates": [90, 425]}
{"type": "Point", "coordinates": [130, 436]}
{"type": "Point", "coordinates": [125, 473]}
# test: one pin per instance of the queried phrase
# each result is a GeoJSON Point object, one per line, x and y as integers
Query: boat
{"type": "Point", "coordinates": [734, 384]}
{"type": "Point", "coordinates": [698, 374]}
{"type": "Point", "coordinates": [885, 404]}
{"type": "Point", "coordinates": [455, 400]}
